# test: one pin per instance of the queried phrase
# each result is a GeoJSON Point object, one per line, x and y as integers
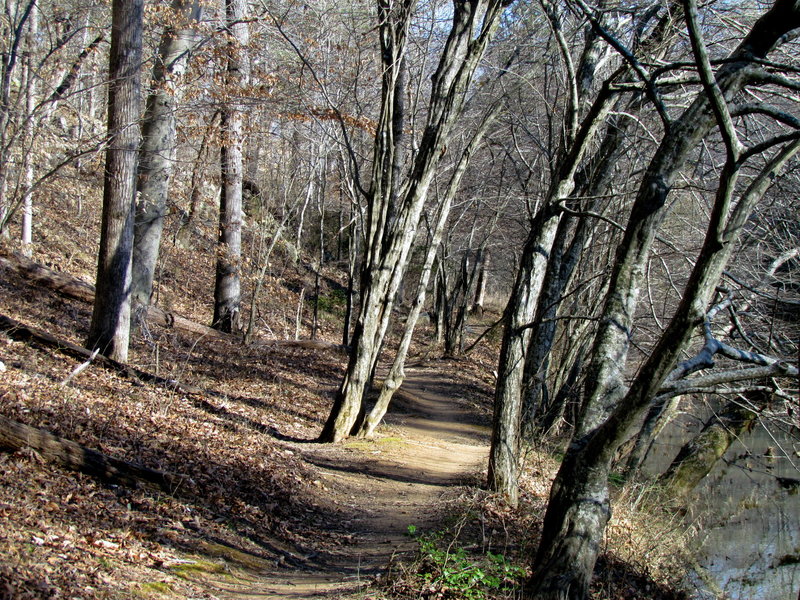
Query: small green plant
{"type": "Point", "coordinates": [334, 302]}
{"type": "Point", "coordinates": [616, 479]}
{"type": "Point", "coordinates": [450, 571]}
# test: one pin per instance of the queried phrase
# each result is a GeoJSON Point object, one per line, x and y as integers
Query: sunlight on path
{"type": "Point", "coordinates": [429, 446]}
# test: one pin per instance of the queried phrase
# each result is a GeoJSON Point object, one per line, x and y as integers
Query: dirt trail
{"type": "Point", "coordinates": [432, 443]}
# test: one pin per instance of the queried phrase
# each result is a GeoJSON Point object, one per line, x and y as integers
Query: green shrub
{"type": "Point", "coordinates": [450, 571]}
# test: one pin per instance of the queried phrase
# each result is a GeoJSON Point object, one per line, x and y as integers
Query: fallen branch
{"type": "Point", "coordinates": [23, 333]}
{"type": "Point", "coordinates": [16, 436]}
{"type": "Point", "coordinates": [80, 368]}
{"type": "Point", "coordinates": [72, 287]}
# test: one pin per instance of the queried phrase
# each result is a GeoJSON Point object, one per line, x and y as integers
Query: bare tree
{"type": "Point", "coordinates": [394, 379]}
{"type": "Point", "coordinates": [578, 132]}
{"type": "Point", "coordinates": [579, 505]}
{"type": "Point", "coordinates": [157, 154]}
{"type": "Point", "coordinates": [391, 226]}
{"type": "Point", "coordinates": [227, 289]}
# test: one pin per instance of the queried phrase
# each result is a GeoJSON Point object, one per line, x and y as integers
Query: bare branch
{"type": "Point", "coordinates": [324, 91]}
{"type": "Point", "coordinates": [702, 383]}
{"type": "Point", "coordinates": [715, 96]}
{"type": "Point", "coordinates": [650, 89]}
{"type": "Point", "coordinates": [767, 110]}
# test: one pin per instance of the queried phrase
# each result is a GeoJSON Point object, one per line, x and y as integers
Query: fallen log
{"type": "Point", "coordinates": [77, 289]}
{"type": "Point", "coordinates": [64, 284]}
{"type": "Point", "coordinates": [66, 453]}
{"type": "Point", "coordinates": [72, 287]}
{"type": "Point", "coordinates": [19, 331]}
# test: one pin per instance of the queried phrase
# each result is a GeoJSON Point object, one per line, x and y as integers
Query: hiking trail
{"type": "Point", "coordinates": [432, 441]}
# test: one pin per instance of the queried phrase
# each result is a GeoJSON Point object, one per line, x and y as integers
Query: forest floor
{"type": "Point", "coordinates": [263, 511]}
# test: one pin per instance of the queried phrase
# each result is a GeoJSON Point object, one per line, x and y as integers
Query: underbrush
{"type": "Point", "coordinates": [452, 564]}
{"type": "Point", "coordinates": [485, 548]}
{"type": "Point", "coordinates": [447, 572]}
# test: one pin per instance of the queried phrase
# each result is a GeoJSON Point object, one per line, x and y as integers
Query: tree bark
{"type": "Point", "coordinates": [388, 243]}
{"type": "Point", "coordinates": [577, 134]}
{"type": "Point", "coordinates": [110, 326]}
{"type": "Point", "coordinates": [592, 181]}
{"type": "Point", "coordinates": [227, 288]}
{"type": "Point", "coordinates": [157, 154]}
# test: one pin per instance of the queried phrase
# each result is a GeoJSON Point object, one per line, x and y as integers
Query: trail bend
{"type": "Point", "coordinates": [432, 443]}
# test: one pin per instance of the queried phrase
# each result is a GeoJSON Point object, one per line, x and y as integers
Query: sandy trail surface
{"type": "Point", "coordinates": [433, 442]}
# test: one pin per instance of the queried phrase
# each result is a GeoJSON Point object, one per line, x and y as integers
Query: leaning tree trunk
{"type": "Point", "coordinates": [577, 136]}
{"type": "Point", "coordinates": [110, 327]}
{"type": "Point", "coordinates": [658, 417]}
{"type": "Point", "coordinates": [537, 358]}
{"type": "Point", "coordinates": [157, 154]}
{"type": "Point", "coordinates": [388, 241]}
{"type": "Point", "coordinates": [227, 288]}
{"type": "Point", "coordinates": [396, 375]}
{"type": "Point", "coordinates": [505, 447]}
{"type": "Point", "coordinates": [578, 509]}
{"type": "Point", "coordinates": [519, 313]}
{"type": "Point", "coordinates": [592, 181]}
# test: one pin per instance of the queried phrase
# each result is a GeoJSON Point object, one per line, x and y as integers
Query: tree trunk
{"type": "Point", "coordinates": [592, 181]}
{"type": "Point", "coordinates": [388, 243]}
{"type": "Point", "coordinates": [576, 517]}
{"type": "Point", "coordinates": [543, 334]}
{"type": "Point", "coordinates": [657, 418]}
{"type": "Point", "coordinates": [8, 63]}
{"type": "Point", "coordinates": [482, 260]}
{"type": "Point", "coordinates": [456, 315]}
{"type": "Point", "coordinates": [352, 253]}
{"type": "Point", "coordinates": [227, 288]}
{"type": "Point", "coordinates": [396, 375]}
{"type": "Point", "coordinates": [519, 313]}
{"type": "Point", "coordinates": [157, 154]}
{"type": "Point", "coordinates": [567, 395]}
{"type": "Point", "coordinates": [110, 327]}
{"type": "Point", "coordinates": [30, 106]}
{"type": "Point", "coordinates": [506, 422]}
{"type": "Point", "coordinates": [564, 563]}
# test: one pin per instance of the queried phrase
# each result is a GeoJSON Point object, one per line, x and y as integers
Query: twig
{"type": "Point", "coordinates": [80, 368]}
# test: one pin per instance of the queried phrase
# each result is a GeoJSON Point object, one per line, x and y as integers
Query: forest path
{"type": "Point", "coordinates": [432, 442]}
